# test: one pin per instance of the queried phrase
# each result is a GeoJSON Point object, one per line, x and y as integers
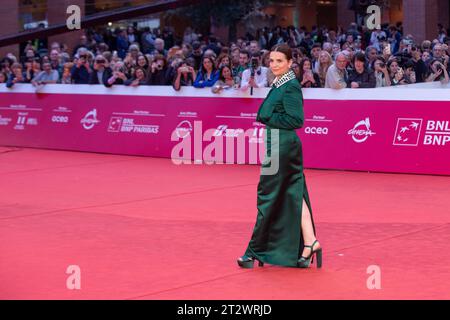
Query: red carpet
{"type": "Point", "coordinates": [143, 228]}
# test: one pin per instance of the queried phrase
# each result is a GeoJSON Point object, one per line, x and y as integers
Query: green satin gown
{"type": "Point", "coordinates": [277, 236]}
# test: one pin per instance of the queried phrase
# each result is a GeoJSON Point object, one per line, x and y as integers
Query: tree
{"type": "Point", "coordinates": [221, 13]}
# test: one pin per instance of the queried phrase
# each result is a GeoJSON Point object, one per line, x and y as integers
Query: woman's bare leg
{"type": "Point", "coordinates": [307, 230]}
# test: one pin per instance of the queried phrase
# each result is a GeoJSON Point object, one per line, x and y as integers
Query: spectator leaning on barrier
{"type": "Point", "coordinates": [307, 77]}
{"type": "Point", "coordinates": [381, 72]}
{"type": "Point", "coordinates": [325, 62]}
{"type": "Point", "coordinates": [139, 78]}
{"type": "Point", "coordinates": [101, 72]}
{"type": "Point", "coordinates": [16, 76]}
{"type": "Point", "coordinates": [3, 77]}
{"type": "Point", "coordinates": [81, 70]}
{"type": "Point", "coordinates": [410, 74]}
{"type": "Point", "coordinates": [337, 74]}
{"type": "Point", "coordinates": [225, 82]}
{"type": "Point", "coordinates": [396, 72]}
{"type": "Point", "coordinates": [48, 75]}
{"type": "Point", "coordinates": [256, 75]}
{"type": "Point", "coordinates": [158, 72]}
{"type": "Point", "coordinates": [437, 72]}
{"type": "Point", "coordinates": [118, 74]}
{"type": "Point", "coordinates": [66, 77]}
{"type": "Point", "coordinates": [185, 76]}
{"type": "Point", "coordinates": [207, 75]}
{"type": "Point", "coordinates": [361, 76]}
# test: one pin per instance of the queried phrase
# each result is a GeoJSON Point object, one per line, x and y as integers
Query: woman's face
{"type": "Point", "coordinates": [296, 68]}
{"type": "Point", "coordinates": [141, 61]}
{"type": "Point", "coordinates": [226, 73]}
{"type": "Point", "coordinates": [279, 64]}
{"type": "Point", "coordinates": [394, 67]}
{"type": "Point", "coordinates": [139, 74]}
{"type": "Point", "coordinates": [207, 64]}
{"type": "Point", "coordinates": [323, 58]}
{"type": "Point", "coordinates": [426, 56]}
{"type": "Point", "coordinates": [435, 66]}
{"type": "Point", "coordinates": [18, 72]}
{"type": "Point", "coordinates": [306, 65]}
{"type": "Point", "coordinates": [225, 61]}
{"type": "Point", "coordinates": [359, 66]}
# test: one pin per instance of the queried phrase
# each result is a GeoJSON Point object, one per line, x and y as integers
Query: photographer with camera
{"type": "Point", "coordinates": [158, 72]}
{"type": "Point", "coordinates": [381, 72]}
{"type": "Point", "coordinates": [101, 72]}
{"type": "Point", "coordinates": [185, 76]}
{"type": "Point", "coordinates": [255, 76]}
{"type": "Point", "coordinates": [396, 73]}
{"type": "Point", "coordinates": [437, 72]}
{"type": "Point", "coordinates": [118, 74]}
{"type": "Point", "coordinates": [81, 70]}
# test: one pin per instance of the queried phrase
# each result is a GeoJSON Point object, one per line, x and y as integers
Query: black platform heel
{"type": "Point", "coordinates": [305, 262]}
{"type": "Point", "coordinates": [247, 262]}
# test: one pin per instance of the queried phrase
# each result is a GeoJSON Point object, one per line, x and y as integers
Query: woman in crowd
{"type": "Point", "coordinates": [307, 77]}
{"type": "Point", "coordinates": [185, 75]}
{"type": "Point", "coordinates": [139, 78]}
{"type": "Point", "coordinates": [437, 72]}
{"type": "Point", "coordinates": [325, 61]}
{"type": "Point", "coordinates": [225, 81]}
{"type": "Point", "coordinates": [381, 72]}
{"type": "Point", "coordinates": [208, 75]}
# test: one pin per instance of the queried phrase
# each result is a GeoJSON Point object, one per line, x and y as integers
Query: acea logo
{"type": "Point", "coordinates": [90, 119]}
{"type": "Point", "coordinates": [361, 131]}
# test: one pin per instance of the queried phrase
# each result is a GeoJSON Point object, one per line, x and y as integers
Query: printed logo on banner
{"type": "Point", "coordinates": [319, 126]}
{"type": "Point", "coordinates": [183, 129]}
{"type": "Point", "coordinates": [120, 124]}
{"type": "Point", "coordinates": [437, 133]}
{"type": "Point", "coordinates": [4, 121]}
{"type": "Point", "coordinates": [407, 132]}
{"type": "Point", "coordinates": [361, 131]}
{"type": "Point", "coordinates": [114, 124]}
{"type": "Point", "coordinates": [23, 119]}
{"type": "Point", "coordinates": [223, 130]}
{"type": "Point", "coordinates": [90, 119]}
{"type": "Point", "coordinates": [257, 134]}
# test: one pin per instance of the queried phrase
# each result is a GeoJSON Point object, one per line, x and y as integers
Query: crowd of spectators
{"type": "Point", "coordinates": [323, 58]}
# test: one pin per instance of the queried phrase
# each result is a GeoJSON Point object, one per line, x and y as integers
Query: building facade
{"type": "Point", "coordinates": [420, 17]}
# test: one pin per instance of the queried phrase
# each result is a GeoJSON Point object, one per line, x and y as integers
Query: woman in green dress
{"type": "Point", "coordinates": [284, 233]}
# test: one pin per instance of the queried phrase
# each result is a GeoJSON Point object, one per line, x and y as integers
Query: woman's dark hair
{"type": "Point", "coordinates": [283, 48]}
{"type": "Point", "coordinates": [202, 68]}
{"type": "Point", "coordinates": [361, 57]}
{"type": "Point", "coordinates": [221, 77]}
{"type": "Point", "coordinates": [146, 60]}
{"type": "Point", "coordinates": [143, 71]}
{"type": "Point", "coordinates": [430, 68]}
{"type": "Point", "coordinates": [378, 58]}
{"type": "Point", "coordinates": [392, 61]}
{"type": "Point", "coordinates": [302, 63]}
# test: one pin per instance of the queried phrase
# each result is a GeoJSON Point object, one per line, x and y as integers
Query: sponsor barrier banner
{"type": "Point", "coordinates": [349, 130]}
